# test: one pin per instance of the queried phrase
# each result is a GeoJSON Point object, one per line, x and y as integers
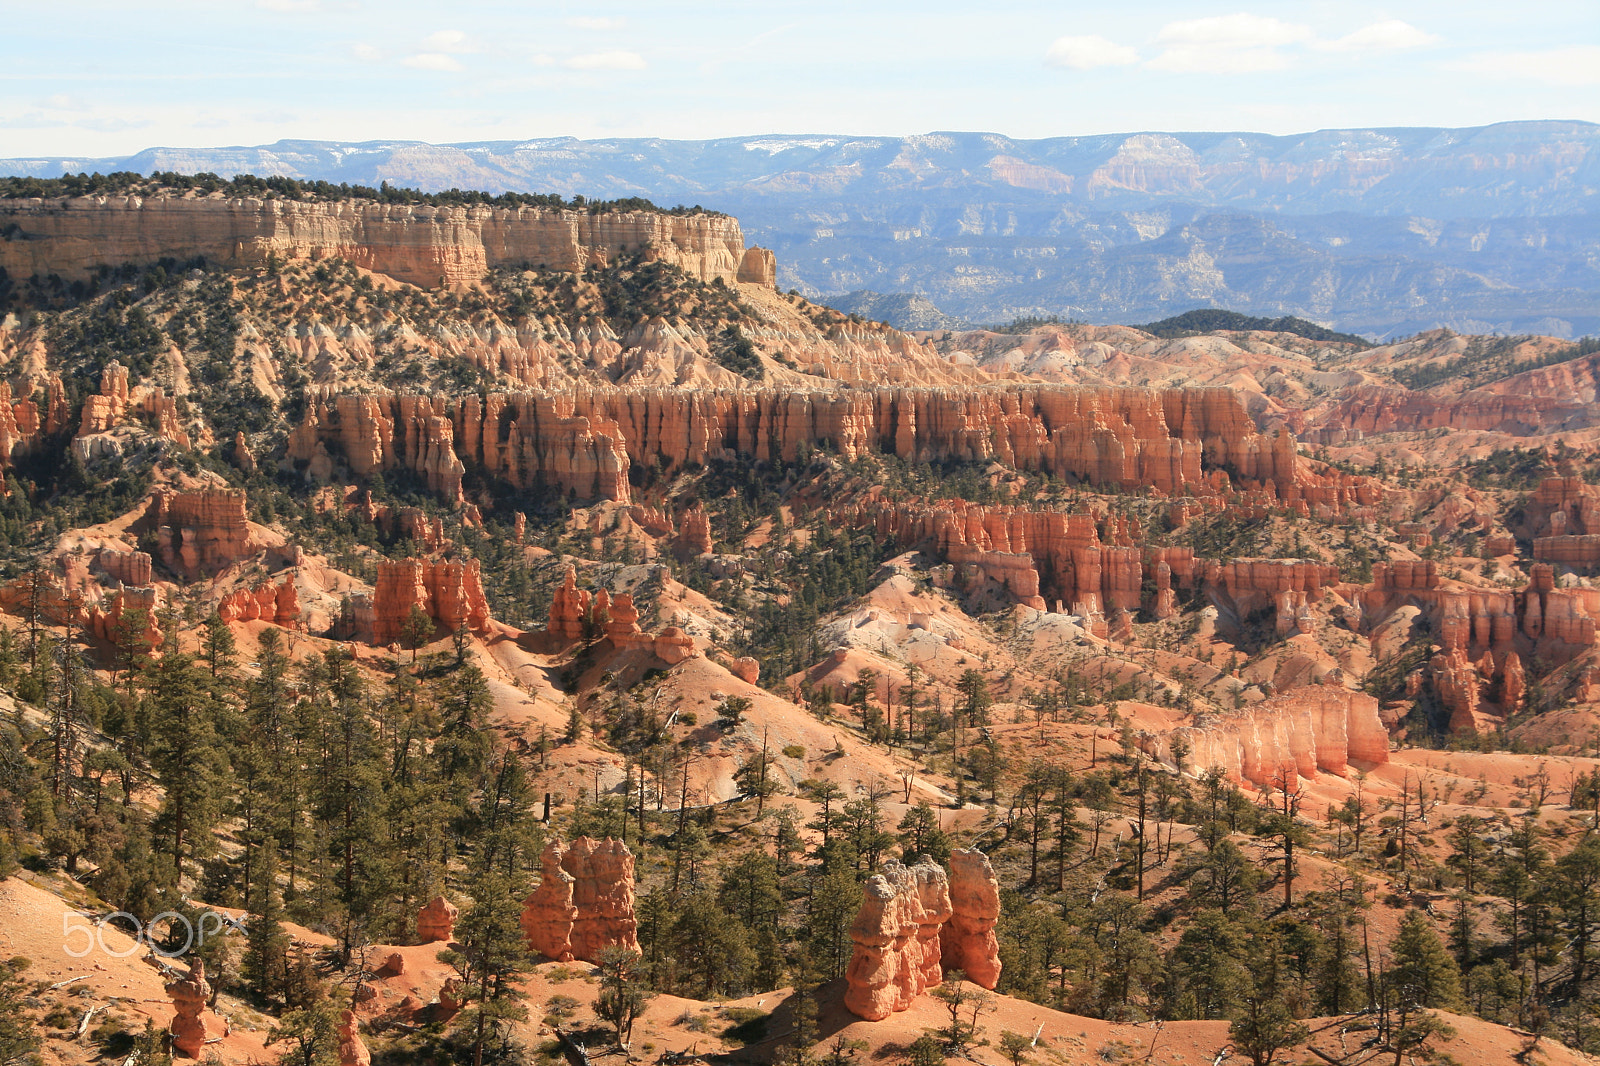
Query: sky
{"type": "Point", "coordinates": [103, 79]}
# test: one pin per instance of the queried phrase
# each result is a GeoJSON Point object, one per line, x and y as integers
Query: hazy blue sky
{"type": "Point", "coordinates": [96, 78]}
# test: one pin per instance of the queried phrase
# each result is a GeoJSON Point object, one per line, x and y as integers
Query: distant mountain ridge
{"type": "Point", "coordinates": [1376, 231]}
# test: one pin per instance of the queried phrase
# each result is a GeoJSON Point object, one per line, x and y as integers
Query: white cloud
{"type": "Point", "coordinates": [365, 52]}
{"type": "Point", "coordinates": [1575, 66]}
{"type": "Point", "coordinates": [580, 22]}
{"type": "Point", "coordinates": [1086, 53]}
{"type": "Point", "coordinates": [447, 41]}
{"type": "Point", "coordinates": [288, 6]}
{"type": "Point", "coordinates": [608, 61]}
{"type": "Point", "coordinates": [1233, 31]}
{"type": "Point", "coordinates": [1390, 35]}
{"type": "Point", "coordinates": [431, 61]}
{"type": "Point", "coordinates": [1227, 44]}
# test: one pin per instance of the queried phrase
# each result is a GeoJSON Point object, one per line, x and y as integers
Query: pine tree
{"type": "Point", "coordinates": [217, 647]}
{"type": "Point", "coordinates": [622, 997]}
{"type": "Point", "coordinates": [310, 1036]}
{"type": "Point", "coordinates": [1422, 973]}
{"type": "Point", "coordinates": [494, 954]}
{"type": "Point", "coordinates": [1206, 972]}
{"type": "Point", "coordinates": [266, 959]}
{"type": "Point", "coordinates": [185, 752]}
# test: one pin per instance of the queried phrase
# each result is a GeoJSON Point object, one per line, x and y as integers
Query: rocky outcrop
{"type": "Point", "coordinates": [436, 922]}
{"type": "Point", "coordinates": [125, 567]}
{"type": "Point", "coordinates": [189, 997]}
{"type": "Point", "coordinates": [1580, 551]}
{"type": "Point", "coordinates": [896, 933]}
{"type": "Point", "coordinates": [1457, 682]}
{"type": "Point", "coordinates": [967, 940]}
{"type": "Point", "coordinates": [576, 615]}
{"type": "Point", "coordinates": [200, 533]}
{"type": "Point", "coordinates": [450, 593]}
{"type": "Point", "coordinates": [584, 903]}
{"type": "Point", "coordinates": [106, 618]}
{"type": "Point", "coordinates": [1043, 558]}
{"type": "Point", "coordinates": [113, 405]}
{"type": "Point", "coordinates": [1563, 506]}
{"type": "Point", "coordinates": [417, 243]}
{"type": "Point", "coordinates": [1289, 586]}
{"type": "Point", "coordinates": [602, 892]}
{"type": "Point", "coordinates": [1372, 409]}
{"type": "Point", "coordinates": [19, 426]}
{"type": "Point", "coordinates": [746, 669]}
{"type": "Point", "coordinates": [1295, 734]}
{"type": "Point", "coordinates": [673, 646]}
{"type": "Point", "coordinates": [569, 610]}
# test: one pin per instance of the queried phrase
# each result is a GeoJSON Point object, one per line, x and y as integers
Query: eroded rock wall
{"type": "Point", "coordinates": [1295, 734]}
{"type": "Point", "coordinates": [450, 593]}
{"type": "Point", "coordinates": [1190, 441]}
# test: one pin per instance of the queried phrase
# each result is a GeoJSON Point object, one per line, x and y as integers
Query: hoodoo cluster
{"type": "Point", "coordinates": [917, 923]}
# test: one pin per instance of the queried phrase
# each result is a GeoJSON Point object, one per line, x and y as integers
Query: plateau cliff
{"type": "Point", "coordinates": [423, 244]}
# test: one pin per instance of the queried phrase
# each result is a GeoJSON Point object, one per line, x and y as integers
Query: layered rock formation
{"type": "Point", "coordinates": [437, 921]}
{"type": "Point", "coordinates": [450, 593]}
{"type": "Point", "coordinates": [1486, 634]}
{"type": "Point", "coordinates": [19, 425]}
{"type": "Point", "coordinates": [1190, 441]}
{"type": "Point", "coordinates": [967, 940]}
{"type": "Point", "coordinates": [1044, 558]}
{"type": "Point", "coordinates": [200, 533]}
{"type": "Point", "coordinates": [694, 533]}
{"type": "Point", "coordinates": [189, 997]}
{"type": "Point", "coordinates": [673, 646]}
{"type": "Point", "coordinates": [896, 935]}
{"type": "Point", "coordinates": [105, 619]}
{"type": "Point", "coordinates": [584, 903]}
{"type": "Point", "coordinates": [1373, 409]}
{"type": "Point", "coordinates": [569, 609]}
{"type": "Point", "coordinates": [1563, 506]}
{"type": "Point", "coordinates": [1295, 734]}
{"type": "Point", "coordinates": [417, 243]}
{"type": "Point", "coordinates": [126, 567]}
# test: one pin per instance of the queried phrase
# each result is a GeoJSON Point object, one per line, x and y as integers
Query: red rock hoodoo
{"type": "Point", "coordinates": [189, 997]}
{"type": "Point", "coordinates": [896, 935]}
{"type": "Point", "coordinates": [437, 921]}
{"type": "Point", "coordinates": [967, 940]}
{"type": "Point", "coordinates": [584, 904]}
{"type": "Point", "coordinates": [200, 533]}
{"type": "Point", "coordinates": [1180, 441]}
{"type": "Point", "coordinates": [451, 593]}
